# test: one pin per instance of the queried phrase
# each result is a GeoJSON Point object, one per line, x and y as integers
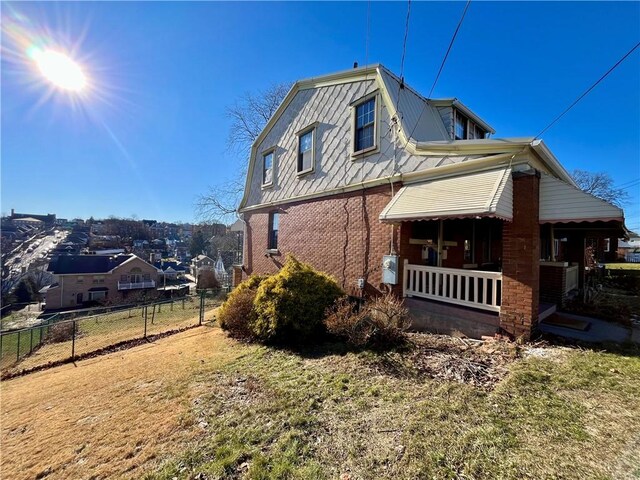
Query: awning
{"type": "Point", "coordinates": [563, 203]}
{"type": "Point", "coordinates": [478, 194]}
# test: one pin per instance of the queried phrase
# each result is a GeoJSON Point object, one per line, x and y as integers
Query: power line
{"type": "Point", "coordinates": [404, 43]}
{"type": "Point", "coordinates": [444, 60]}
{"type": "Point", "coordinates": [588, 90]}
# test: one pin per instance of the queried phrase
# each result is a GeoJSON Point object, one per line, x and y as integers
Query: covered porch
{"type": "Point", "coordinates": [488, 250]}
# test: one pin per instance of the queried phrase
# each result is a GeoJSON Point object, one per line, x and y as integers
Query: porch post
{"type": "Point", "coordinates": [521, 259]}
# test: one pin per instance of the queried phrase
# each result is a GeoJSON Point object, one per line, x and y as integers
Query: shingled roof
{"type": "Point", "coordinates": [70, 264]}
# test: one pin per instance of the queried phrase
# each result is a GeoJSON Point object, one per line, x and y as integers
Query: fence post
{"type": "Point", "coordinates": [18, 349]}
{"type": "Point", "coordinates": [201, 307]}
{"type": "Point", "coordinates": [183, 303]}
{"type": "Point", "coordinates": [145, 322]}
{"type": "Point", "coordinates": [73, 341]}
{"type": "Point", "coordinates": [171, 305]}
{"type": "Point", "coordinates": [31, 342]}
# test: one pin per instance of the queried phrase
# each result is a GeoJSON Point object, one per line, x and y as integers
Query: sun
{"type": "Point", "coordinates": [60, 70]}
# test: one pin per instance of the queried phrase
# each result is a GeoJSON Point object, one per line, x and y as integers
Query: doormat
{"type": "Point", "coordinates": [566, 322]}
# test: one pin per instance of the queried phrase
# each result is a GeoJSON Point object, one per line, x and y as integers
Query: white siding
{"type": "Point", "coordinates": [561, 202]}
{"type": "Point", "coordinates": [330, 107]}
{"type": "Point", "coordinates": [486, 193]}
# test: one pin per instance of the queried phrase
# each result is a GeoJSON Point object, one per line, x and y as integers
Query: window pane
{"type": "Point", "coordinates": [461, 127]}
{"type": "Point", "coordinates": [365, 113]}
{"type": "Point", "coordinates": [274, 221]}
{"type": "Point", "coordinates": [268, 168]}
{"type": "Point", "coordinates": [364, 138]}
{"type": "Point", "coordinates": [305, 152]}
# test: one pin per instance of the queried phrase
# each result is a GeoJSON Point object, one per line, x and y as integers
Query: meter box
{"type": "Point", "coordinates": [390, 269]}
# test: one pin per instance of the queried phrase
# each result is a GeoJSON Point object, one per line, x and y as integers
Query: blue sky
{"type": "Point", "coordinates": [151, 134]}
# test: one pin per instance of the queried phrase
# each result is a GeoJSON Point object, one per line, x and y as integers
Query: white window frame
{"type": "Point", "coordinates": [92, 295]}
{"type": "Point", "coordinates": [311, 128]}
{"type": "Point", "coordinates": [355, 154]}
{"type": "Point", "coordinates": [269, 151]}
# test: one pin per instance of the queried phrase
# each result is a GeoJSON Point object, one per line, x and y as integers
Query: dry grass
{"type": "Point", "coordinates": [108, 416]}
{"type": "Point", "coordinates": [199, 405]}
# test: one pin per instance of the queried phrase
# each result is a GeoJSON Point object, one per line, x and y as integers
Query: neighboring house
{"type": "Point", "coordinates": [49, 219]}
{"type": "Point", "coordinates": [200, 264]}
{"type": "Point", "coordinates": [361, 176]}
{"type": "Point", "coordinates": [170, 270]}
{"type": "Point", "coordinates": [81, 279]}
{"type": "Point", "coordinates": [629, 251]}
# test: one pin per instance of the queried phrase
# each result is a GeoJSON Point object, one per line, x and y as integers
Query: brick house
{"type": "Point", "coordinates": [361, 176]}
{"type": "Point", "coordinates": [79, 280]}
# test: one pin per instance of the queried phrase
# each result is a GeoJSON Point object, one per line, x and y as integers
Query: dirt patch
{"type": "Point", "coordinates": [113, 416]}
{"type": "Point", "coordinates": [478, 363]}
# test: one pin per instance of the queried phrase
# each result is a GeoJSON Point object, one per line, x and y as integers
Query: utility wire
{"type": "Point", "coordinates": [453, 39]}
{"type": "Point", "coordinates": [404, 44]}
{"type": "Point", "coordinates": [588, 90]}
{"type": "Point", "coordinates": [444, 60]}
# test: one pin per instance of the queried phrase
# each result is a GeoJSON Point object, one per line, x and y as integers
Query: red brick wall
{"type": "Point", "coordinates": [520, 259]}
{"type": "Point", "coordinates": [340, 235]}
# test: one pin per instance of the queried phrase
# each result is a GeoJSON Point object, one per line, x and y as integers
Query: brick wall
{"type": "Point", "coordinates": [340, 235]}
{"type": "Point", "coordinates": [520, 259]}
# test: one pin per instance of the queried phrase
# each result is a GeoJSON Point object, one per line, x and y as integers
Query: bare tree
{"type": "Point", "coordinates": [248, 117]}
{"type": "Point", "coordinates": [600, 184]}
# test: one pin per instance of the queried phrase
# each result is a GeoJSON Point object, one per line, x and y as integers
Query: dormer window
{"type": "Point", "coordinates": [465, 129]}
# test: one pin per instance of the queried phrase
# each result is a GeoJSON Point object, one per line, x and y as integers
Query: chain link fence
{"type": "Point", "coordinates": [68, 336]}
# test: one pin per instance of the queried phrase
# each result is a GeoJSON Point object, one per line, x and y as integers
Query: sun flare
{"type": "Point", "coordinates": [60, 70]}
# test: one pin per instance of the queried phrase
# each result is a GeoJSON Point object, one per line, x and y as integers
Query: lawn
{"type": "Point", "coordinates": [199, 405]}
{"type": "Point", "coordinates": [622, 266]}
{"type": "Point", "coordinates": [100, 331]}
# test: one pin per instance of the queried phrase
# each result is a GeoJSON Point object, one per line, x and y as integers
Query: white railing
{"type": "Point", "coordinates": [572, 278]}
{"type": "Point", "coordinates": [133, 285]}
{"type": "Point", "coordinates": [632, 257]}
{"type": "Point", "coordinates": [471, 288]}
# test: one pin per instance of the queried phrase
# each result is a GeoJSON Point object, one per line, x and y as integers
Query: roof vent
{"type": "Point", "coordinates": [355, 64]}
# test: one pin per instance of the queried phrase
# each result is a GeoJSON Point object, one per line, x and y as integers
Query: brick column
{"type": "Point", "coordinates": [520, 259]}
{"type": "Point", "coordinates": [237, 275]}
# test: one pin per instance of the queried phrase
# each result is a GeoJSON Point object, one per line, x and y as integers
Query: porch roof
{"type": "Point", "coordinates": [563, 203]}
{"type": "Point", "coordinates": [477, 194]}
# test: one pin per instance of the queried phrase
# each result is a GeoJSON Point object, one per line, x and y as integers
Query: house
{"type": "Point", "coordinates": [29, 219]}
{"type": "Point", "coordinates": [366, 179]}
{"type": "Point", "coordinates": [81, 279]}
{"type": "Point", "coordinates": [629, 251]}
{"type": "Point", "coordinates": [200, 264]}
{"type": "Point", "coordinates": [170, 270]}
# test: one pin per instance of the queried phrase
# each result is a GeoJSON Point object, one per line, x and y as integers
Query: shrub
{"type": "Point", "coordinates": [344, 320]}
{"type": "Point", "coordinates": [290, 305]}
{"type": "Point", "coordinates": [237, 314]}
{"type": "Point", "coordinates": [382, 323]}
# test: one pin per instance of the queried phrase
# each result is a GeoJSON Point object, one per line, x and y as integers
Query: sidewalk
{"type": "Point", "coordinates": [598, 331]}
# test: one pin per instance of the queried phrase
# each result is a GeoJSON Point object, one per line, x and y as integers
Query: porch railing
{"type": "Point", "coordinates": [572, 278]}
{"type": "Point", "coordinates": [134, 285]}
{"type": "Point", "coordinates": [471, 288]}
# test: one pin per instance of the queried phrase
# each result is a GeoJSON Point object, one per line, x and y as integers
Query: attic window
{"type": "Point", "coordinates": [364, 125]}
{"type": "Point", "coordinates": [465, 129]}
{"type": "Point", "coordinates": [267, 168]}
{"type": "Point", "coordinates": [306, 147]}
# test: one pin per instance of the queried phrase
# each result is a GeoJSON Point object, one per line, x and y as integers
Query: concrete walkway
{"type": "Point", "coordinates": [598, 331]}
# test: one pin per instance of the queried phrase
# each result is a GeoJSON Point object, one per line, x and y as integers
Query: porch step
{"type": "Point", "coordinates": [546, 310]}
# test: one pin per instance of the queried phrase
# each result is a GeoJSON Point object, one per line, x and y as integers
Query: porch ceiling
{"type": "Point", "coordinates": [478, 194]}
{"type": "Point", "coordinates": [564, 203]}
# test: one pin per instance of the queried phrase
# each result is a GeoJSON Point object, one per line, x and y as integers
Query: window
{"type": "Point", "coordinates": [98, 279]}
{"type": "Point", "coordinates": [305, 151]}
{"type": "Point", "coordinates": [365, 125]}
{"type": "Point", "coordinates": [465, 129]}
{"type": "Point", "coordinates": [274, 220]}
{"type": "Point", "coordinates": [267, 168]}
{"type": "Point", "coordinates": [460, 129]}
{"type": "Point", "coordinates": [607, 245]}
{"type": "Point", "coordinates": [97, 295]}
{"type": "Point", "coordinates": [80, 280]}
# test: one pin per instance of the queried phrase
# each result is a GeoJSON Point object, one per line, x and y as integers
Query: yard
{"type": "Point", "coordinates": [199, 405]}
